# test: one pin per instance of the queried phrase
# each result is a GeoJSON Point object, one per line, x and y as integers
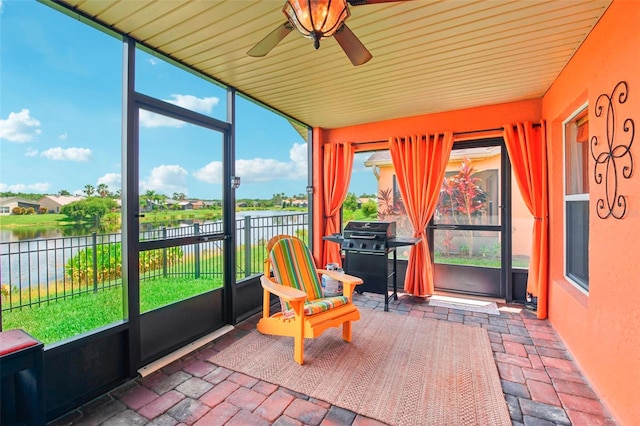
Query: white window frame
{"type": "Point", "coordinates": [571, 197]}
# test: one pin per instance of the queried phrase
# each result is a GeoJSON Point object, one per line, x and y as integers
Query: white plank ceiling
{"type": "Point", "coordinates": [428, 56]}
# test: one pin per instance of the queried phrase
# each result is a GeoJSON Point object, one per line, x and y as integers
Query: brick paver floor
{"type": "Point", "coordinates": [541, 383]}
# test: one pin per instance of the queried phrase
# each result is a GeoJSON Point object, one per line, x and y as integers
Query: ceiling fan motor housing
{"type": "Point", "coordinates": [316, 19]}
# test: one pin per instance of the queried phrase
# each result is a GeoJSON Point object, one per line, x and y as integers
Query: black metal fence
{"type": "Point", "coordinates": [41, 271]}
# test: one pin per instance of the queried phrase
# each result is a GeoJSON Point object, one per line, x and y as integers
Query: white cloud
{"type": "Point", "coordinates": [193, 103]}
{"type": "Point", "coordinates": [150, 119]}
{"type": "Point", "coordinates": [19, 127]}
{"type": "Point", "coordinates": [112, 180]}
{"type": "Point", "coordinates": [260, 169]}
{"type": "Point", "coordinates": [211, 173]}
{"type": "Point", "coordinates": [67, 154]}
{"type": "Point", "coordinates": [31, 152]}
{"type": "Point", "coordinates": [63, 137]}
{"type": "Point", "coordinates": [166, 179]}
{"type": "Point", "coordinates": [153, 61]}
{"type": "Point", "coordinates": [298, 155]}
{"type": "Point", "coordinates": [22, 187]}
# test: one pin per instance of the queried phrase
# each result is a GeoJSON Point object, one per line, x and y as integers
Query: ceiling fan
{"type": "Point", "coordinates": [317, 20]}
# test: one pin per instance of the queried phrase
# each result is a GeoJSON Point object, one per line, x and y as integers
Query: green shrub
{"type": "Point", "coordinates": [370, 208]}
{"type": "Point", "coordinates": [80, 268]}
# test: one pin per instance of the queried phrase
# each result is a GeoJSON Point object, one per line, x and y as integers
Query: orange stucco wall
{"type": "Point", "coordinates": [465, 120]}
{"type": "Point", "coordinates": [601, 329]}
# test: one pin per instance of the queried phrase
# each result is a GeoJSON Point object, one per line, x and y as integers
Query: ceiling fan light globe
{"type": "Point", "coordinates": [316, 19]}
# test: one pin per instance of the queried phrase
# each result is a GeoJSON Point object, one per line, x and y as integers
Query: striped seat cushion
{"type": "Point", "coordinates": [319, 305]}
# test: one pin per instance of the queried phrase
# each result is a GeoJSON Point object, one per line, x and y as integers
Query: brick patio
{"type": "Point", "coordinates": [541, 383]}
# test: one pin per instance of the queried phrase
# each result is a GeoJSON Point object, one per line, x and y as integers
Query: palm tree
{"type": "Point", "coordinates": [103, 189]}
{"type": "Point", "coordinates": [89, 190]}
{"type": "Point", "coordinates": [63, 192]}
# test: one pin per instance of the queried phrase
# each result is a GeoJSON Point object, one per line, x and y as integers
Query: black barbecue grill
{"type": "Point", "coordinates": [366, 247]}
{"type": "Point", "coordinates": [368, 236]}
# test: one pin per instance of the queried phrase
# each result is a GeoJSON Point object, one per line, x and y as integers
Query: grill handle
{"type": "Point", "coordinates": [363, 237]}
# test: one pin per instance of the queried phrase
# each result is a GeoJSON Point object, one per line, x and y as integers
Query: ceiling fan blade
{"type": "Point", "coordinates": [265, 45]}
{"type": "Point", "coordinates": [352, 46]}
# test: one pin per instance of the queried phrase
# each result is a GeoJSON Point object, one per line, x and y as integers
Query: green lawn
{"type": "Point", "coordinates": [518, 261]}
{"type": "Point", "coordinates": [52, 220]}
{"type": "Point", "coordinates": [38, 220]}
{"type": "Point", "coordinates": [69, 317]}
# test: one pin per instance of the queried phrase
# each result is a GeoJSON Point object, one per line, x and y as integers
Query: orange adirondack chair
{"type": "Point", "coordinates": [304, 313]}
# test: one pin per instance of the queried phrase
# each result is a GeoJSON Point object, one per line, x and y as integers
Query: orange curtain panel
{"type": "Point", "coordinates": [420, 162]}
{"type": "Point", "coordinates": [527, 148]}
{"type": "Point", "coordinates": [338, 162]}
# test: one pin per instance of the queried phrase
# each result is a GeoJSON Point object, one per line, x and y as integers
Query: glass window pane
{"type": "Point", "coordinates": [374, 187]}
{"type": "Point", "coordinates": [180, 177]}
{"type": "Point", "coordinates": [477, 248]}
{"type": "Point", "coordinates": [577, 155]}
{"type": "Point", "coordinates": [176, 273]}
{"type": "Point", "coordinates": [160, 79]}
{"type": "Point", "coordinates": [577, 242]}
{"type": "Point", "coordinates": [470, 193]}
{"type": "Point", "coordinates": [577, 208]}
{"type": "Point", "coordinates": [61, 100]}
{"type": "Point", "coordinates": [271, 161]}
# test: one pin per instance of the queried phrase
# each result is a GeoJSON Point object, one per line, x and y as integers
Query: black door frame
{"type": "Point", "coordinates": [505, 273]}
{"type": "Point", "coordinates": [144, 349]}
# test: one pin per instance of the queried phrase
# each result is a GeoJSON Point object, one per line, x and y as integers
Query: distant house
{"type": "Point", "coordinates": [185, 205]}
{"type": "Point", "coordinates": [53, 203]}
{"type": "Point", "coordinates": [171, 203]}
{"type": "Point", "coordinates": [7, 204]}
{"type": "Point", "coordinates": [197, 205]}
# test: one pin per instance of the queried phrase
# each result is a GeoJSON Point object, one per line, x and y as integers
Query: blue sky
{"type": "Point", "coordinates": [60, 119]}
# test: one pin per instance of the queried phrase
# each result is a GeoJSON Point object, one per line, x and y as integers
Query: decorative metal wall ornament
{"type": "Point", "coordinates": [613, 155]}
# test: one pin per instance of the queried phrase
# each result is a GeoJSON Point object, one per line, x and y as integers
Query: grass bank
{"type": "Point", "coordinates": [37, 220]}
{"type": "Point", "coordinates": [61, 319]}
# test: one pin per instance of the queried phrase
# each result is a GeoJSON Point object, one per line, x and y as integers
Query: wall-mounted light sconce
{"type": "Point", "coordinates": [235, 182]}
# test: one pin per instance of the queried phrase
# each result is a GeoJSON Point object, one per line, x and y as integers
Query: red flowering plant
{"type": "Point", "coordinates": [462, 202]}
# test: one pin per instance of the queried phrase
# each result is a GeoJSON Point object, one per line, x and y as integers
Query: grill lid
{"type": "Point", "coordinates": [381, 230]}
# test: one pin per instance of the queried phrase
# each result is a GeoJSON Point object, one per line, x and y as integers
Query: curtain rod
{"type": "Point", "coordinates": [470, 132]}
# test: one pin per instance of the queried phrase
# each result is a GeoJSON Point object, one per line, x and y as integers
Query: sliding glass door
{"type": "Point", "coordinates": [467, 230]}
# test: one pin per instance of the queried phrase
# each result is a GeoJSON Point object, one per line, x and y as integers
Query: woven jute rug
{"type": "Point", "coordinates": [399, 370]}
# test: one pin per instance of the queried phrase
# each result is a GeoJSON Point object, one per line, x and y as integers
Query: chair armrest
{"type": "Point", "coordinates": [341, 276]}
{"type": "Point", "coordinates": [287, 293]}
{"type": "Point", "coordinates": [349, 282]}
